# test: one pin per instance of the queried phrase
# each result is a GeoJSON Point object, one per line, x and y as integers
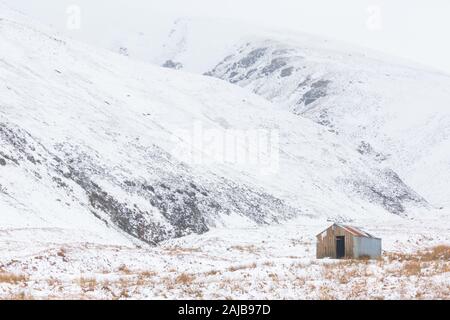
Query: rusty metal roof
{"type": "Point", "coordinates": [355, 231]}
{"type": "Point", "coordinates": [352, 230]}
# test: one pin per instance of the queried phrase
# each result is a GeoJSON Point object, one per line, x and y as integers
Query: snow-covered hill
{"type": "Point", "coordinates": [391, 111]}
{"type": "Point", "coordinates": [91, 140]}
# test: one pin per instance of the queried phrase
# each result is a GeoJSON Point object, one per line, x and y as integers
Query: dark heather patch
{"type": "Point", "coordinates": [287, 72]}
{"type": "Point", "coordinates": [324, 119]}
{"type": "Point", "coordinates": [129, 183]}
{"type": "Point", "coordinates": [392, 196]}
{"type": "Point", "coordinates": [172, 65]}
{"type": "Point", "coordinates": [132, 219]}
{"type": "Point", "coordinates": [280, 52]}
{"type": "Point", "coordinates": [304, 83]}
{"type": "Point", "coordinates": [366, 148]}
{"type": "Point", "coordinates": [318, 90]}
{"type": "Point", "coordinates": [60, 183]}
{"type": "Point", "coordinates": [320, 84]}
{"type": "Point", "coordinates": [227, 58]}
{"type": "Point", "coordinates": [186, 204]}
{"type": "Point", "coordinates": [275, 65]}
{"type": "Point", "coordinates": [250, 73]}
{"type": "Point", "coordinates": [124, 51]}
{"type": "Point", "coordinates": [252, 57]}
{"type": "Point", "coordinates": [2, 162]}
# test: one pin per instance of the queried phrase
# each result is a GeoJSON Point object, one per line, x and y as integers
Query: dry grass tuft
{"type": "Point", "coordinates": [300, 281]}
{"type": "Point", "coordinates": [441, 252]}
{"type": "Point", "coordinates": [246, 249]}
{"type": "Point", "coordinates": [193, 293]}
{"type": "Point", "coordinates": [22, 296]}
{"type": "Point", "coordinates": [13, 278]}
{"type": "Point", "coordinates": [242, 267]}
{"type": "Point", "coordinates": [184, 279]}
{"type": "Point", "coordinates": [124, 294]}
{"type": "Point", "coordinates": [176, 251]}
{"type": "Point", "coordinates": [124, 269]}
{"type": "Point", "coordinates": [269, 264]}
{"type": "Point", "coordinates": [212, 273]}
{"type": "Point", "coordinates": [325, 293]}
{"type": "Point", "coordinates": [87, 284]}
{"type": "Point", "coordinates": [359, 289]}
{"type": "Point", "coordinates": [344, 278]}
{"type": "Point", "coordinates": [299, 242]}
{"type": "Point", "coordinates": [434, 260]}
{"type": "Point", "coordinates": [52, 282]}
{"type": "Point", "coordinates": [411, 268]}
{"type": "Point", "coordinates": [148, 274]}
{"type": "Point", "coordinates": [438, 253]}
{"type": "Point", "coordinates": [62, 253]}
{"type": "Point", "coordinates": [364, 258]}
{"type": "Point", "coordinates": [274, 277]}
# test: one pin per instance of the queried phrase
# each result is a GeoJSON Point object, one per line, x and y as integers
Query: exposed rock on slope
{"type": "Point", "coordinates": [401, 111]}
{"type": "Point", "coordinates": [88, 141]}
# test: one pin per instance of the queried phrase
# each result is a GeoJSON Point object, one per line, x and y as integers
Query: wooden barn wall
{"type": "Point", "coordinates": [326, 246]}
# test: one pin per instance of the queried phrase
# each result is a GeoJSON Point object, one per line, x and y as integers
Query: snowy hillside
{"type": "Point", "coordinates": [391, 111]}
{"type": "Point", "coordinates": [91, 141]}
{"type": "Point", "coordinates": [125, 180]}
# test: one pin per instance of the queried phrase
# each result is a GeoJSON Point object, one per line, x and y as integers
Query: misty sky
{"type": "Point", "coordinates": [417, 30]}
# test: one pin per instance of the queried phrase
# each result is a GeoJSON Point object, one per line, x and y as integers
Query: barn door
{"type": "Point", "coordinates": [340, 247]}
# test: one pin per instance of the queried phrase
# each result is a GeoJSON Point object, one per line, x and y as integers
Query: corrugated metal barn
{"type": "Point", "coordinates": [341, 241]}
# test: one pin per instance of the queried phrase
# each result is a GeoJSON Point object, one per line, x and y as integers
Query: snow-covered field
{"type": "Point", "coordinates": [276, 262]}
{"type": "Point", "coordinates": [97, 198]}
